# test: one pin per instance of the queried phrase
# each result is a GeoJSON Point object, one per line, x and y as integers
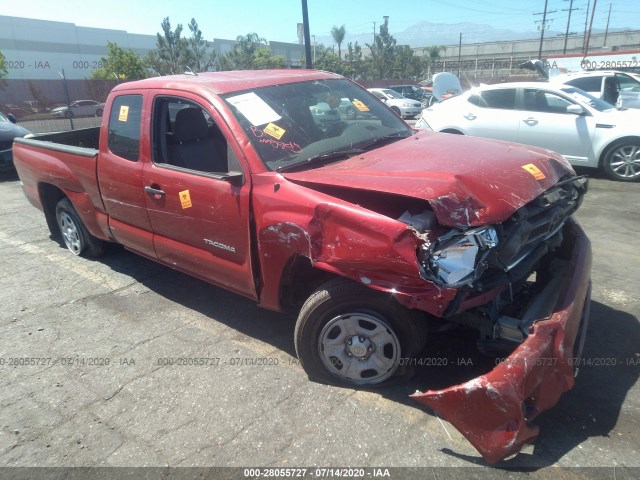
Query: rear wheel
{"type": "Point", "coordinates": [75, 235]}
{"type": "Point", "coordinates": [348, 334]}
{"type": "Point", "coordinates": [622, 161]}
{"type": "Point", "coordinates": [68, 114]}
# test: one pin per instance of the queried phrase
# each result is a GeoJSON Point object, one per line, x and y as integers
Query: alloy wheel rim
{"type": "Point", "coordinates": [70, 233]}
{"type": "Point", "coordinates": [625, 161]}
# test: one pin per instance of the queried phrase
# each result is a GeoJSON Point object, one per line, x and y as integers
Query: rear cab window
{"type": "Point", "coordinates": [124, 126]}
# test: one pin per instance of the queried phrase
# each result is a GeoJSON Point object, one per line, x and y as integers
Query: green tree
{"type": "Point", "coordinates": [4, 71]}
{"type": "Point", "coordinates": [120, 64]}
{"type": "Point", "coordinates": [246, 52]}
{"type": "Point", "coordinates": [338, 34]}
{"type": "Point", "coordinates": [171, 54]}
{"type": "Point", "coordinates": [200, 57]}
{"type": "Point", "coordinates": [433, 55]}
{"type": "Point", "coordinates": [356, 60]}
{"type": "Point", "coordinates": [382, 52]}
{"type": "Point", "coordinates": [329, 61]}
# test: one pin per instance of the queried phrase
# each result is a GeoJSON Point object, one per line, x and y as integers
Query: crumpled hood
{"type": "Point", "coordinates": [466, 180]}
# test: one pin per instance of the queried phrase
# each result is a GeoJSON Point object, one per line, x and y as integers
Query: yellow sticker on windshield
{"type": "Point", "coordinates": [360, 106]}
{"type": "Point", "coordinates": [124, 113]}
{"type": "Point", "coordinates": [185, 199]}
{"type": "Point", "coordinates": [274, 130]}
{"type": "Point", "coordinates": [535, 171]}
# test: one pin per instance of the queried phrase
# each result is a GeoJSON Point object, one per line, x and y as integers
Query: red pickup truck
{"type": "Point", "coordinates": [265, 183]}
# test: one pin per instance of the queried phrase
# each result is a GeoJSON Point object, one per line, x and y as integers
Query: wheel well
{"type": "Point", "coordinates": [452, 130]}
{"type": "Point", "coordinates": [49, 198]}
{"type": "Point", "coordinates": [299, 280]}
{"type": "Point", "coordinates": [614, 144]}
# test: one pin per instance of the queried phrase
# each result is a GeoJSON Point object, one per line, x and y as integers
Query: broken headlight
{"type": "Point", "coordinates": [459, 257]}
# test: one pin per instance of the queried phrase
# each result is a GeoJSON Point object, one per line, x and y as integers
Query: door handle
{"type": "Point", "coordinates": [531, 122]}
{"type": "Point", "coordinates": [470, 116]}
{"type": "Point", "coordinates": [154, 191]}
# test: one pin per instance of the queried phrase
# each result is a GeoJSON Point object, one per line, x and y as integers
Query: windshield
{"type": "Point", "coordinates": [584, 97]}
{"type": "Point", "coordinates": [294, 123]}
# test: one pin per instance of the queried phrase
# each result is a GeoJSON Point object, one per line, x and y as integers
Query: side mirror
{"type": "Point", "coordinates": [575, 109]}
{"type": "Point", "coordinates": [12, 118]}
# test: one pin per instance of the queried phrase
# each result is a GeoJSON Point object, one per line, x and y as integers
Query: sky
{"type": "Point", "coordinates": [277, 20]}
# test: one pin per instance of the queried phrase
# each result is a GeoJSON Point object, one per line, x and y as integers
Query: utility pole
{"type": "Point", "coordinates": [607, 29]}
{"type": "Point", "coordinates": [586, 21]}
{"type": "Point", "coordinates": [307, 35]}
{"type": "Point", "coordinates": [543, 26]}
{"type": "Point", "coordinates": [566, 35]}
{"type": "Point", "coordinates": [593, 10]}
{"type": "Point", "coordinates": [374, 33]}
{"type": "Point", "coordinates": [459, 54]}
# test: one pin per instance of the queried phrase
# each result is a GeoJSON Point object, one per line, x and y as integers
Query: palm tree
{"type": "Point", "coordinates": [338, 34]}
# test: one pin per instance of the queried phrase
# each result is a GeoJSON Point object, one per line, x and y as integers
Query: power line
{"type": "Point", "coordinates": [543, 25]}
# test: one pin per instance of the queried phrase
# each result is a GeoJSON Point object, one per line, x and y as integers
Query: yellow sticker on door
{"type": "Point", "coordinates": [274, 130]}
{"type": "Point", "coordinates": [185, 199]}
{"type": "Point", "coordinates": [124, 113]}
{"type": "Point", "coordinates": [535, 171]}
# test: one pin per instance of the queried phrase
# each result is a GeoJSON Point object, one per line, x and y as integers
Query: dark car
{"type": "Point", "coordinates": [410, 91]}
{"type": "Point", "coordinates": [8, 131]}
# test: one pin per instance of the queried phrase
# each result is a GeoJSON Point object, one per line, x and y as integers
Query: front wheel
{"type": "Point", "coordinates": [75, 235]}
{"type": "Point", "coordinates": [622, 162]}
{"type": "Point", "coordinates": [348, 334]}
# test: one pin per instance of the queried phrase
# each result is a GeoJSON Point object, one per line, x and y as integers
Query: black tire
{"type": "Point", "coordinates": [346, 314]}
{"type": "Point", "coordinates": [68, 114]}
{"type": "Point", "coordinates": [99, 112]}
{"type": "Point", "coordinates": [75, 235]}
{"type": "Point", "coordinates": [397, 110]}
{"type": "Point", "coordinates": [622, 161]}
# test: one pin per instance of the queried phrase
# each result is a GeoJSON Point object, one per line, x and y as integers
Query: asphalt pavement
{"type": "Point", "coordinates": [121, 362]}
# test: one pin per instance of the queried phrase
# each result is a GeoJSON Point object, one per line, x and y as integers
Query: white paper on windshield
{"type": "Point", "coordinates": [254, 108]}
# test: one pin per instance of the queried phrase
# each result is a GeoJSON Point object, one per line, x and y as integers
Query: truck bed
{"type": "Point", "coordinates": [85, 138]}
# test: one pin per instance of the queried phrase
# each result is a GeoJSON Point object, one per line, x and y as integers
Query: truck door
{"type": "Point", "coordinates": [120, 174]}
{"type": "Point", "coordinates": [197, 196]}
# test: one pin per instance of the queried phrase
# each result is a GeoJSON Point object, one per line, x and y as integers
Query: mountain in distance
{"type": "Point", "coordinates": [426, 34]}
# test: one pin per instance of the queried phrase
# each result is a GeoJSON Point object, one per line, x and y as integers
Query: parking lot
{"type": "Point", "coordinates": [123, 362]}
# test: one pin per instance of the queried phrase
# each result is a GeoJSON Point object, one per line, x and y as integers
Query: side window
{"type": "Point", "coordinates": [627, 84]}
{"type": "Point", "coordinates": [536, 100]}
{"type": "Point", "coordinates": [186, 136]}
{"type": "Point", "coordinates": [124, 126]}
{"type": "Point", "coordinates": [588, 84]}
{"type": "Point", "coordinates": [502, 98]}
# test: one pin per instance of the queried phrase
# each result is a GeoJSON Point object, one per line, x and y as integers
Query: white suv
{"type": "Point", "coordinates": [621, 89]}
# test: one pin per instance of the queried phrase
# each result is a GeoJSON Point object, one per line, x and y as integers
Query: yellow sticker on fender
{"type": "Point", "coordinates": [360, 106]}
{"type": "Point", "coordinates": [535, 171]}
{"type": "Point", "coordinates": [274, 130]}
{"type": "Point", "coordinates": [124, 113]}
{"type": "Point", "coordinates": [185, 199]}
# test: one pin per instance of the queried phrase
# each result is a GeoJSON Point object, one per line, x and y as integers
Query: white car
{"type": "Point", "coordinates": [79, 108]}
{"type": "Point", "coordinates": [587, 131]}
{"type": "Point", "coordinates": [403, 106]}
{"type": "Point", "coordinates": [617, 88]}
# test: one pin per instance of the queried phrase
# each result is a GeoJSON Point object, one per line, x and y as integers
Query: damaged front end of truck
{"type": "Point", "coordinates": [539, 318]}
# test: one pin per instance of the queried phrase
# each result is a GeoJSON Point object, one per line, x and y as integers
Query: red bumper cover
{"type": "Point", "coordinates": [494, 411]}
